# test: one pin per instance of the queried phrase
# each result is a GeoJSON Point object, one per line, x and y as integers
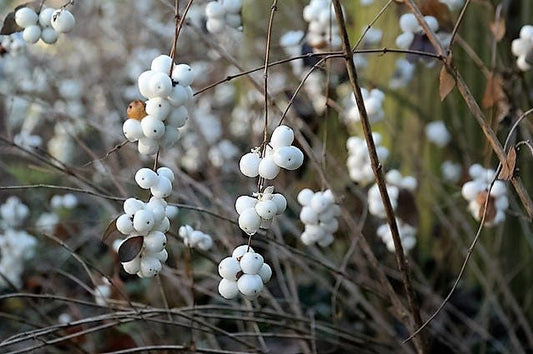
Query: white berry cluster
{"type": "Point", "coordinates": [244, 272]}
{"type": "Point", "coordinates": [323, 31]}
{"type": "Point", "coordinates": [150, 220]}
{"type": "Point", "coordinates": [451, 171]}
{"type": "Point", "coordinates": [411, 27]}
{"type": "Point", "coordinates": [522, 47]}
{"type": "Point", "coordinates": [476, 193]}
{"type": "Point", "coordinates": [222, 13]}
{"type": "Point", "coordinates": [358, 162]}
{"type": "Point", "coordinates": [17, 245]}
{"type": "Point", "coordinates": [259, 210]}
{"type": "Point", "coordinates": [395, 182]}
{"type": "Point", "coordinates": [437, 133]}
{"type": "Point", "coordinates": [319, 214]}
{"type": "Point", "coordinates": [12, 43]}
{"type": "Point", "coordinates": [67, 201]}
{"type": "Point", "coordinates": [46, 25]}
{"type": "Point", "coordinates": [373, 100]}
{"type": "Point", "coordinates": [279, 153]}
{"type": "Point", "coordinates": [407, 235]}
{"type": "Point", "coordinates": [166, 110]}
{"type": "Point", "coordinates": [194, 238]}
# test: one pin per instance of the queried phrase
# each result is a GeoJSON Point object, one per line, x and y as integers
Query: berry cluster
{"type": "Point", "coordinates": [279, 153]}
{"type": "Point", "coordinates": [437, 133]}
{"type": "Point", "coordinates": [17, 245]}
{"type": "Point", "coordinates": [522, 48]}
{"type": "Point", "coordinates": [244, 272]}
{"type": "Point", "coordinates": [46, 25]}
{"type": "Point", "coordinates": [319, 214]}
{"type": "Point", "coordinates": [323, 31]}
{"type": "Point", "coordinates": [407, 235]}
{"type": "Point", "coordinates": [223, 13]}
{"type": "Point", "coordinates": [67, 201]}
{"type": "Point", "coordinates": [411, 28]}
{"type": "Point", "coordinates": [395, 182]}
{"type": "Point", "coordinates": [358, 162]}
{"type": "Point", "coordinates": [194, 238]}
{"type": "Point", "coordinates": [155, 123]}
{"type": "Point", "coordinates": [476, 193]}
{"type": "Point", "coordinates": [373, 100]}
{"type": "Point", "coordinates": [149, 220]}
{"type": "Point", "coordinates": [259, 210]}
{"type": "Point", "coordinates": [12, 43]}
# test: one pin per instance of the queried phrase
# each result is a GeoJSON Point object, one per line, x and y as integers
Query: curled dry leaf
{"type": "Point", "coordinates": [508, 167]}
{"type": "Point", "coordinates": [493, 91]}
{"type": "Point", "coordinates": [481, 199]}
{"type": "Point", "coordinates": [130, 248]}
{"type": "Point", "coordinates": [498, 28]}
{"type": "Point", "coordinates": [446, 83]}
{"type": "Point", "coordinates": [111, 231]}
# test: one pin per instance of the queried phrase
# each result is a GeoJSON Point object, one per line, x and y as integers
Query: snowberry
{"type": "Point", "coordinates": [214, 25]}
{"type": "Point", "coordinates": [160, 85]}
{"type": "Point", "coordinates": [45, 17]}
{"type": "Point", "coordinates": [265, 272]}
{"type": "Point", "coordinates": [161, 64]}
{"type": "Point", "coordinates": [158, 107]}
{"type": "Point", "coordinates": [228, 268]}
{"type": "Point", "coordinates": [147, 146]}
{"type": "Point", "coordinates": [178, 96]}
{"type": "Point", "coordinates": [132, 130]}
{"type": "Point", "coordinates": [124, 224]}
{"type": "Point", "coordinates": [280, 201]}
{"type": "Point", "coordinates": [25, 17]}
{"type": "Point", "coordinates": [233, 20]}
{"type": "Point", "coordinates": [404, 40]}
{"type": "Point", "coordinates": [166, 172]}
{"type": "Point", "coordinates": [146, 178]}
{"type": "Point", "coordinates": [163, 188]}
{"type": "Point", "coordinates": [249, 164]}
{"type": "Point", "coordinates": [150, 266]}
{"type": "Point", "coordinates": [49, 35]}
{"type": "Point", "coordinates": [183, 75]}
{"type": "Point", "coordinates": [308, 215]}
{"type": "Point", "coordinates": [163, 226]}
{"type": "Point", "coordinates": [157, 208]}
{"type": "Point", "coordinates": [133, 266]}
{"type": "Point", "coordinates": [132, 205]}
{"type": "Point", "coordinates": [305, 196]}
{"type": "Point", "coordinates": [249, 221]}
{"type": "Point", "coordinates": [266, 209]}
{"type": "Point", "coordinates": [228, 288]}
{"type": "Point", "coordinates": [319, 203]}
{"type": "Point", "coordinates": [155, 241]}
{"type": "Point", "coordinates": [326, 240]}
{"type": "Point", "coordinates": [63, 21]}
{"type": "Point", "coordinates": [178, 117]}
{"type": "Point", "coordinates": [152, 127]}
{"type": "Point", "coordinates": [288, 157]}
{"type": "Point", "coordinates": [432, 23]}
{"type": "Point", "coordinates": [251, 263]}
{"type": "Point", "coordinates": [282, 136]}
{"type": "Point", "coordinates": [31, 34]}
{"type": "Point", "coordinates": [268, 169]}
{"type": "Point", "coordinates": [144, 83]}
{"type": "Point", "coordinates": [143, 221]}
{"type": "Point", "coordinates": [239, 251]}
{"type": "Point", "coordinates": [408, 23]}
{"type": "Point", "coordinates": [244, 202]}
{"type": "Point", "coordinates": [162, 256]}
{"type": "Point", "coordinates": [233, 6]}
{"type": "Point", "coordinates": [250, 284]}
{"type": "Point", "coordinates": [170, 137]}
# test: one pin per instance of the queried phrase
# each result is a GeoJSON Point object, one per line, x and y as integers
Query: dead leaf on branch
{"type": "Point", "coordinates": [508, 167]}
{"type": "Point", "coordinates": [498, 28]}
{"type": "Point", "coordinates": [111, 230]}
{"type": "Point", "coordinates": [493, 91]}
{"type": "Point", "coordinates": [130, 248]}
{"type": "Point", "coordinates": [481, 199]}
{"type": "Point", "coordinates": [446, 83]}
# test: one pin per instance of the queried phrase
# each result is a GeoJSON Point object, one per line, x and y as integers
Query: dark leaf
{"type": "Point", "coordinates": [10, 25]}
{"type": "Point", "coordinates": [508, 167]}
{"type": "Point", "coordinates": [130, 248]}
{"type": "Point", "coordinates": [446, 83]}
{"type": "Point", "coordinates": [407, 210]}
{"type": "Point", "coordinates": [111, 230]}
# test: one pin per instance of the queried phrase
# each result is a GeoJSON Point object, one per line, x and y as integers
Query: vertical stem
{"type": "Point", "coordinates": [377, 168]}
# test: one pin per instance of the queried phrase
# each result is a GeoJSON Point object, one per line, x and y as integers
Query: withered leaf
{"type": "Point", "coordinates": [446, 83]}
{"type": "Point", "coordinates": [130, 248]}
{"type": "Point", "coordinates": [498, 28]}
{"type": "Point", "coordinates": [508, 167]}
{"type": "Point", "coordinates": [407, 210]}
{"type": "Point", "coordinates": [493, 91]}
{"type": "Point", "coordinates": [440, 11]}
{"type": "Point", "coordinates": [111, 230]}
{"type": "Point", "coordinates": [481, 199]}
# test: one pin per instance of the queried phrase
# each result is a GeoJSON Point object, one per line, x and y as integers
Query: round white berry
{"type": "Point", "coordinates": [146, 178]}
{"type": "Point", "coordinates": [520, 46]}
{"type": "Point", "coordinates": [326, 240]}
{"type": "Point", "coordinates": [266, 209]}
{"type": "Point", "coordinates": [152, 127]}
{"type": "Point", "coordinates": [265, 273]}
{"type": "Point", "coordinates": [228, 268]}
{"type": "Point", "coordinates": [185, 230]}
{"type": "Point", "coordinates": [25, 17]}
{"type": "Point", "coordinates": [206, 243]}
{"type": "Point", "coordinates": [45, 17]}
{"type": "Point", "coordinates": [233, 20]}
{"type": "Point", "coordinates": [239, 251]}
{"type": "Point", "coordinates": [215, 25]}
{"type": "Point", "coordinates": [158, 107]}
{"type": "Point", "coordinates": [161, 64]}
{"type": "Point", "coordinates": [214, 9]}
{"type": "Point", "coordinates": [233, 6]}
{"type": "Point", "coordinates": [281, 202]}
{"type": "Point", "coordinates": [166, 172]}
{"type": "Point", "coordinates": [150, 266]}
{"type": "Point", "coordinates": [63, 21]}
{"type": "Point", "coordinates": [305, 196]}
{"type": "Point", "coordinates": [171, 211]}
{"type": "Point", "coordinates": [250, 284]}
{"type": "Point", "coordinates": [282, 136]}
{"type": "Point", "coordinates": [404, 40]}
{"type": "Point", "coordinates": [408, 23]}
{"type": "Point", "coordinates": [249, 221]}
{"type": "Point", "coordinates": [331, 226]}
{"type": "Point", "coordinates": [178, 117]}
{"type": "Point", "coordinates": [527, 32]}
{"type": "Point", "coordinates": [157, 208]}
{"type": "Point", "coordinates": [162, 256]}
{"type": "Point", "coordinates": [308, 215]}
{"type": "Point", "coordinates": [432, 22]}
{"type": "Point", "coordinates": [132, 205]}
{"type": "Point", "coordinates": [268, 169]}
{"type": "Point", "coordinates": [133, 266]}
{"type": "Point", "coordinates": [31, 34]}
{"type": "Point", "coordinates": [49, 35]}
{"type": "Point", "coordinates": [228, 288]}
{"type": "Point", "coordinates": [147, 146]}
{"type": "Point", "coordinates": [170, 138]}
{"type": "Point", "coordinates": [132, 130]}
{"type": "Point", "coordinates": [143, 82]}
{"type": "Point", "coordinates": [471, 189]}
{"type": "Point", "coordinates": [178, 96]}
{"type": "Point", "coordinates": [160, 85]}
{"type": "Point", "coordinates": [163, 188]}
{"type": "Point", "coordinates": [163, 226]}
{"type": "Point", "coordinates": [183, 75]}
{"type": "Point", "coordinates": [124, 224]}
{"type": "Point", "coordinates": [251, 262]}
{"type": "Point", "coordinates": [143, 221]}
{"type": "Point", "coordinates": [288, 157]}
{"type": "Point", "coordinates": [244, 202]}
{"type": "Point", "coordinates": [155, 241]}
{"type": "Point", "coordinates": [249, 164]}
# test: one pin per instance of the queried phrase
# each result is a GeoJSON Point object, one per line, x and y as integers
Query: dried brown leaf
{"type": "Point", "coordinates": [446, 83]}
{"type": "Point", "coordinates": [407, 210]}
{"type": "Point", "coordinates": [493, 91]}
{"type": "Point", "coordinates": [481, 199]}
{"type": "Point", "coordinates": [498, 29]}
{"type": "Point", "coordinates": [508, 167]}
{"type": "Point", "coordinates": [111, 230]}
{"type": "Point", "coordinates": [130, 248]}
